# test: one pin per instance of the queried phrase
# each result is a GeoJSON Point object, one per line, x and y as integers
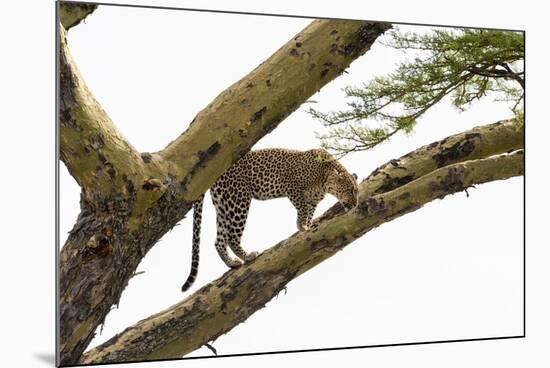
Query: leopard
{"type": "Point", "coordinates": [304, 177]}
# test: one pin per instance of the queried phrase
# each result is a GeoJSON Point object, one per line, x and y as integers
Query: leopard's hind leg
{"type": "Point", "coordinates": [222, 224]}
{"type": "Point", "coordinates": [236, 222]}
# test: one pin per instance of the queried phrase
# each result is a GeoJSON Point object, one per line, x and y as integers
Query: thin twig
{"type": "Point", "coordinates": [212, 349]}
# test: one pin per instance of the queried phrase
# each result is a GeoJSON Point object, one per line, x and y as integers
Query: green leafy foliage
{"type": "Point", "coordinates": [465, 64]}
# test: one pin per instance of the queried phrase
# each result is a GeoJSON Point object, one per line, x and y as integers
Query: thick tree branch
{"type": "Point", "coordinates": [224, 303]}
{"type": "Point", "coordinates": [130, 200]}
{"type": "Point", "coordinates": [483, 141]}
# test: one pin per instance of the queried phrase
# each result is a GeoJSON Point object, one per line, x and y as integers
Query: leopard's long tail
{"type": "Point", "coordinates": [197, 219]}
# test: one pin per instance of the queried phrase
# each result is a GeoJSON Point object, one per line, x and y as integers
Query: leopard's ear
{"type": "Point", "coordinates": [324, 158]}
{"type": "Point", "coordinates": [327, 159]}
{"type": "Point", "coordinates": [354, 176]}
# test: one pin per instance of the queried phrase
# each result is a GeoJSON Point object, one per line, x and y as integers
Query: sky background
{"type": "Point", "coordinates": [451, 270]}
{"type": "Point", "coordinates": [27, 265]}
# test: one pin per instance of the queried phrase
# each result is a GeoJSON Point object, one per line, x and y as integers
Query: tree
{"type": "Point", "coordinates": [129, 199]}
{"type": "Point", "coordinates": [465, 64]}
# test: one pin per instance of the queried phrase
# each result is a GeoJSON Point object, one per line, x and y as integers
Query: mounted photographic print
{"type": "Point", "coordinates": [237, 183]}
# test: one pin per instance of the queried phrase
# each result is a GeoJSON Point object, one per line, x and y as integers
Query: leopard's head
{"type": "Point", "coordinates": [343, 186]}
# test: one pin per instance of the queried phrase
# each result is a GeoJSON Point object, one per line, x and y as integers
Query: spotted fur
{"type": "Point", "coordinates": [302, 176]}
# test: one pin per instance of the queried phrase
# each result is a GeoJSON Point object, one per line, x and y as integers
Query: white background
{"type": "Point", "coordinates": [407, 296]}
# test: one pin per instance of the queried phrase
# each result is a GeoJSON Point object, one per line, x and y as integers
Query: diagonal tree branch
{"type": "Point", "coordinates": [226, 302]}
{"type": "Point", "coordinates": [129, 200]}
{"type": "Point", "coordinates": [483, 141]}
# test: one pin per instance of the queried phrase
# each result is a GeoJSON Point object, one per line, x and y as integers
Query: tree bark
{"type": "Point", "coordinates": [129, 200]}
{"type": "Point", "coordinates": [224, 303]}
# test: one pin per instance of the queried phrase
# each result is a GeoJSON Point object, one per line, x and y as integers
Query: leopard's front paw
{"type": "Point", "coordinates": [233, 263]}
